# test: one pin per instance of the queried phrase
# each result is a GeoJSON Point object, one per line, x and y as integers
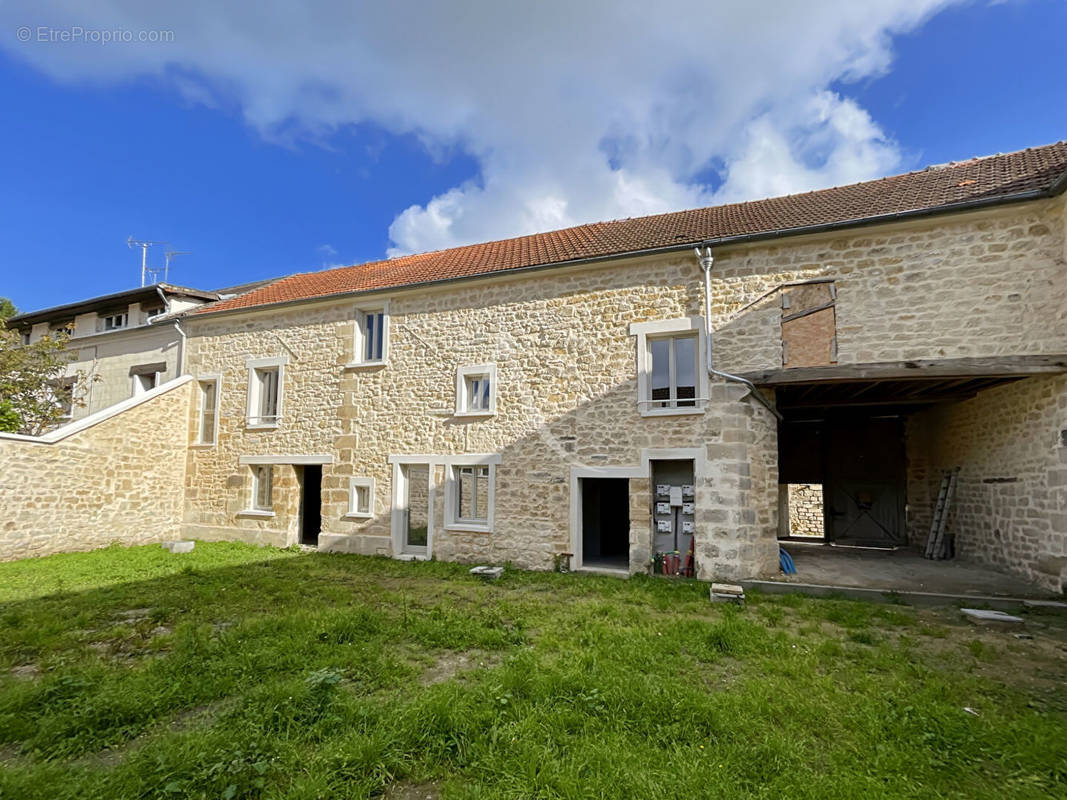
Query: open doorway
{"type": "Point", "coordinates": [413, 509]}
{"type": "Point", "coordinates": [310, 479]}
{"type": "Point", "coordinates": [606, 523]}
{"type": "Point", "coordinates": [805, 511]}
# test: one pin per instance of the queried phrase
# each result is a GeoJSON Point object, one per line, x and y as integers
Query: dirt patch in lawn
{"type": "Point", "coordinates": [449, 665]}
{"type": "Point", "coordinates": [26, 672]}
{"type": "Point", "coordinates": [412, 791]}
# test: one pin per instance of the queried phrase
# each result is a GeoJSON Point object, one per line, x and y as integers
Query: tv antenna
{"type": "Point", "coordinates": [144, 245]}
{"type": "Point", "coordinates": [167, 256]}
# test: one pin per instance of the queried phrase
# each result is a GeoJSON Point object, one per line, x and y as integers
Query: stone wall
{"type": "Point", "coordinates": [806, 510]}
{"type": "Point", "coordinates": [977, 284]}
{"type": "Point", "coordinates": [566, 397]}
{"type": "Point", "coordinates": [1010, 506]}
{"type": "Point", "coordinates": [109, 478]}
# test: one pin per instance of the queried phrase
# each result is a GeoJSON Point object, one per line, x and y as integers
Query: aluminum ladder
{"type": "Point", "coordinates": [935, 542]}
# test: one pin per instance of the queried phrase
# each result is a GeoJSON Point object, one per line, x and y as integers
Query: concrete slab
{"type": "Point", "coordinates": [899, 571]}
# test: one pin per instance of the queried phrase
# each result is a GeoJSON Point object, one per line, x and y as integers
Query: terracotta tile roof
{"type": "Point", "coordinates": [991, 178]}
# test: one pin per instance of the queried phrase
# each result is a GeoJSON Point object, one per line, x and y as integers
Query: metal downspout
{"type": "Point", "coordinates": [181, 335]}
{"type": "Point", "coordinates": [706, 260]}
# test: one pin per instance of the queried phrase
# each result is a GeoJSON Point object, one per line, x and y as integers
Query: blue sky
{"type": "Point", "coordinates": [258, 180]}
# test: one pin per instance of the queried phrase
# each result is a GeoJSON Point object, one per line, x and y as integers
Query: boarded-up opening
{"type": "Point", "coordinates": [809, 325]}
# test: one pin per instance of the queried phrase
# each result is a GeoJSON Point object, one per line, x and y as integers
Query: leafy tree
{"type": "Point", "coordinates": [7, 309]}
{"type": "Point", "coordinates": [33, 390]}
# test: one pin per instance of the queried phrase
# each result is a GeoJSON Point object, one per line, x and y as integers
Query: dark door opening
{"type": "Point", "coordinates": [865, 482]}
{"type": "Point", "coordinates": [606, 522]}
{"type": "Point", "coordinates": [860, 463]}
{"type": "Point", "coordinates": [310, 478]}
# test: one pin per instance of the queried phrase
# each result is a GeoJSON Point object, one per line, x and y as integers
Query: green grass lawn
{"type": "Point", "coordinates": [240, 672]}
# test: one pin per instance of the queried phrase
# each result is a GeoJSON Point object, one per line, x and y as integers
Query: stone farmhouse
{"type": "Point", "coordinates": [604, 394]}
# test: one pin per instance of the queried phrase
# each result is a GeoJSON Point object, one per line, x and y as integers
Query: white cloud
{"type": "Point", "coordinates": [575, 111]}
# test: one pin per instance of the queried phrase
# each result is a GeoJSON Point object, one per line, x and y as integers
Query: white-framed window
{"type": "Point", "coordinates": [360, 498]}
{"type": "Point", "coordinates": [207, 432]}
{"type": "Point", "coordinates": [476, 391]}
{"type": "Point", "coordinates": [262, 487]}
{"type": "Point", "coordinates": [113, 322]}
{"type": "Point", "coordinates": [470, 496]}
{"type": "Point", "coordinates": [671, 378]}
{"type": "Point", "coordinates": [265, 391]}
{"type": "Point", "coordinates": [371, 342]}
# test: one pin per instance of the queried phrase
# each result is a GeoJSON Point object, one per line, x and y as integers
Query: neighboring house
{"type": "Point", "coordinates": [123, 344]}
{"type": "Point", "coordinates": [560, 394]}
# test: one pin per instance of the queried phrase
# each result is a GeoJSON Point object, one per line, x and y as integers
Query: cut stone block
{"type": "Point", "coordinates": [727, 593]}
{"type": "Point", "coordinates": [981, 616]}
{"type": "Point", "coordinates": [490, 573]}
{"type": "Point", "coordinates": [179, 547]}
{"type": "Point", "coordinates": [727, 588]}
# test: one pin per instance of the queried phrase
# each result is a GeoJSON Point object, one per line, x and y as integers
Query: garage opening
{"type": "Point", "coordinates": [310, 479]}
{"type": "Point", "coordinates": [606, 523]}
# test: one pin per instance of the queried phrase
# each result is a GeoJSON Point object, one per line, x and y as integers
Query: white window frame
{"type": "Point", "coordinates": [122, 316]}
{"type": "Point", "coordinates": [359, 337]}
{"type": "Point", "coordinates": [453, 521]}
{"type": "Point", "coordinates": [254, 508]}
{"type": "Point", "coordinates": [354, 484]}
{"type": "Point", "coordinates": [473, 372]}
{"type": "Point", "coordinates": [215, 379]}
{"type": "Point", "coordinates": [253, 420]}
{"type": "Point", "coordinates": [646, 332]}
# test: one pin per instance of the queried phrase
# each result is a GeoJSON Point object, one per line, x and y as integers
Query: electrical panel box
{"type": "Point", "coordinates": [663, 490]}
{"type": "Point", "coordinates": [687, 526]}
{"type": "Point", "coordinates": [663, 508]}
{"type": "Point", "coordinates": [687, 490]}
{"type": "Point", "coordinates": [688, 508]}
{"type": "Point", "coordinates": [663, 526]}
{"type": "Point", "coordinates": [676, 496]}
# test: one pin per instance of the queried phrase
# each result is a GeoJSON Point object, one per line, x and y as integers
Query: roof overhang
{"type": "Point", "coordinates": [126, 297]}
{"type": "Point", "coordinates": [898, 385]}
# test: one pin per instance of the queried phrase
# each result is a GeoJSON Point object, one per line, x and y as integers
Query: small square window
{"type": "Point", "coordinates": [476, 391]}
{"type": "Point", "coordinates": [360, 498]}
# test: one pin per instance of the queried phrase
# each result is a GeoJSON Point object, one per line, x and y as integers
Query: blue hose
{"type": "Point", "coordinates": [785, 561]}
